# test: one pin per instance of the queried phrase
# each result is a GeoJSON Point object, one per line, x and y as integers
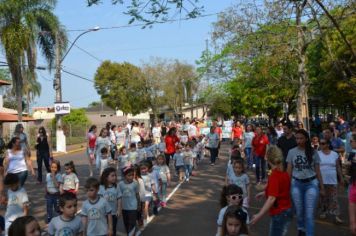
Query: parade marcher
{"type": "Point", "coordinates": [234, 222]}
{"type": "Point", "coordinates": [17, 161]}
{"type": "Point", "coordinates": [315, 142]}
{"type": "Point", "coordinates": [237, 132]}
{"type": "Point", "coordinates": [336, 143]}
{"type": "Point", "coordinates": [120, 135]}
{"type": "Point", "coordinates": [19, 132]}
{"type": "Point", "coordinates": [259, 146]}
{"type": "Point", "coordinates": [247, 144]}
{"type": "Point", "coordinates": [171, 140]}
{"type": "Point", "coordinates": [91, 141]}
{"type": "Point", "coordinates": [277, 192]}
{"type": "Point", "coordinates": [43, 152]}
{"type": "Point", "coordinates": [272, 135]}
{"type": "Point", "coordinates": [330, 169]}
{"type": "Point", "coordinates": [213, 144]}
{"type": "Point", "coordinates": [135, 133]}
{"type": "Point", "coordinates": [287, 141]}
{"type": "Point", "coordinates": [352, 185]}
{"type": "Point", "coordinates": [304, 168]}
{"type": "Point", "coordinates": [156, 133]}
{"type": "Point", "coordinates": [279, 129]}
{"type": "Point", "coordinates": [102, 141]}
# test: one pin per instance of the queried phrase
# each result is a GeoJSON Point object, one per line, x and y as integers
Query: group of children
{"type": "Point", "coordinates": [144, 181]}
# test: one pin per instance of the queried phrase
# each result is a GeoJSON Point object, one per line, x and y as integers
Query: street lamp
{"type": "Point", "coordinates": [57, 85]}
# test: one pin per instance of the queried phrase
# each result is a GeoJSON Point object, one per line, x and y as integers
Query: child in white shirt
{"type": "Point", "coordinates": [17, 204]}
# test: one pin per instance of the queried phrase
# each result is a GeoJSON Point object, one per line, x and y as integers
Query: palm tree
{"type": "Point", "coordinates": [31, 89]}
{"type": "Point", "coordinates": [24, 25]}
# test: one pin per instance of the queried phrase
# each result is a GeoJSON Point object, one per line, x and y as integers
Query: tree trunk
{"type": "Point", "coordinates": [302, 97]}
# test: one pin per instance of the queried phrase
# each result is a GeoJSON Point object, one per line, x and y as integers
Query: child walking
{"type": "Point", "coordinates": [179, 163]}
{"type": "Point", "coordinates": [234, 222]}
{"type": "Point", "coordinates": [53, 181]}
{"type": "Point", "coordinates": [163, 172]}
{"type": "Point", "coordinates": [132, 154]}
{"type": "Point", "coordinates": [105, 159]}
{"type": "Point", "coordinates": [110, 191]}
{"type": "Point", "coordinates": [68, 223]}
{"type": "Point", "coordinates": [241, 179]}
{"type": "Point", "coordinates": [130, 199]}
{"type": "Point", "coordinates": [189, 160]}
{"type": "Point", "coordinates": [17, 204]}
{"type": "Point", "coordinates": [96, 211]}
{"type": "Point", "coordinates": [25, 226]}
{"type": "Point", "coordinates": [231, 195]}
{"type": "Point", "coordinates": [70, 179]}
{"type": "Point", "coordinates": [150, 188]}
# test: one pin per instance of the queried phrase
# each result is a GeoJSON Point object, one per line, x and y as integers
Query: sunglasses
{"type": "Point", "coordinates": [236, 196]}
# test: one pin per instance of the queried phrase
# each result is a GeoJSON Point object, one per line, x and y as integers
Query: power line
{"type": "Point", "coordinates": [78, 76]}
{"type": "Point", "coordinates": [88, 53]}
{"type": "Point", "coordinates": [145, 24]}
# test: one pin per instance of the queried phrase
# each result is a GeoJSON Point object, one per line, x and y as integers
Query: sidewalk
{"type": "Point", "coordinates": [70, 149]}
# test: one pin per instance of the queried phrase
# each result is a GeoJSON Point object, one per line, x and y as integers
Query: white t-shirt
{"type": "Point", "coordinates": [328, 167]}
{"type": "Point", "coordinates": [192, 130]}
{"type": "Point", "coordinates": [69, 181]}
{"type": "Point", "coordinates": [15, 204]}
{"type": "Point", "coordinates": [156, 132]}
{"type": "Point", "coordinates": [17, 162]}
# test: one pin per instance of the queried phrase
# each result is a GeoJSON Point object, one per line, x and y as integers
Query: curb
{"type": "Point", "coordinates": [60, 154]}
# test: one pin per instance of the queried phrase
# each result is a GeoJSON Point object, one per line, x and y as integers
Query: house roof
{"type": "Point", "coordinates": [13, 118]}
{"type": "Point", "coordinates": [100, 108]}
{"type": "Point", "coordinates": [10, 111]}
{"type": "Point", "coordinates": [4, 82]}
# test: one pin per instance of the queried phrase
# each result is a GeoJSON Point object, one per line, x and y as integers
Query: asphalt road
{"type": "Point", "coordinates": [192, 209]}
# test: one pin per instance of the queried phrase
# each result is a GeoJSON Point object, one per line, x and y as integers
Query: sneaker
{"type": "Point", "coordinates": [187, 179]}
{"type": "Point", "coordinates": [322, 216]}
{"type": "Point", "coordinates": [338, 221]}
{"type": "Point", "coordinates": [212, 164]}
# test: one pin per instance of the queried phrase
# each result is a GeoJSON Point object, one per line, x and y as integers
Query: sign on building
{"type": "Point", "coordinates": [62, 108]}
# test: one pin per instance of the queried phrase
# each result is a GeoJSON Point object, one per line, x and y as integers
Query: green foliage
{"type": "Point", "coordinates": [153, 11]}
{"type": "Point", "coordinates": [75, 117]}
{"type": "Point", "coordinates": [122, 86]}
{"type": "Point", "coordinates": [22, 26]}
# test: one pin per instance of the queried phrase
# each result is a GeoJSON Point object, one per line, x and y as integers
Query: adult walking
{"type": "Point", "coordinates": [213, 144]}
{"type": "Point", "coordinates": [102, 141]}
{"type": "Point", "coordinates": [237, 132]}
{"type": "Point", "coordinates": [247, 138]}
{"type": "Point", "coordinates": [304, 168]}
{"type": "Point", "coordinates": [259, 146]}
{"type": "Point", "coordinates": [277, 192]}
{"type": "Point", "coordinates": [91, 140]}
{"type": "Point", "coordinates": [272, 135]}
{"type": "Point", "coordinates": [17, 161]}
{"type": "Point", "coordinates": [43, 152]}
{"type": "Point", "coordinates": [135, 133]}
{"type": "Point", "coordinates": [330, 169]}
{"type": "Point", "coordinates": [287, 141]}
{"type": "Point", "coordinates": [171, 141]}
{"type": "Point", "coordinates": [19, 132]}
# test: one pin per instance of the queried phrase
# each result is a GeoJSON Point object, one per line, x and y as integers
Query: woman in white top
{"type": "Point", "coordinates": [135, 133]}
{"type": "Point", "coordinates": [17, 161]}
{"type": "Point", "coordinates": [330, 170]}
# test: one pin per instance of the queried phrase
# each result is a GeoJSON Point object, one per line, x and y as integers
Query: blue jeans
{"type": "Point", "coordinates": [280, 223]}
{"type": "Point", "coordinates": [260, 167]}
{"type": "Point", "coordinates": [249, 158]}
{"type": "Point", "coordinates": [163, 192]}
{"type": "Point", "coordinates": [188, 170]}
{"type": "Point", "coordinates": [52, 202]}
{"type": "Point", "coordinates": [305, 197]}
{"type": "Point", "coordinates": [214, 152]}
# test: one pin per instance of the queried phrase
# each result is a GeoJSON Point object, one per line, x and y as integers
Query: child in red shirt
{"type": "Point", "coordinates": [277, 192]}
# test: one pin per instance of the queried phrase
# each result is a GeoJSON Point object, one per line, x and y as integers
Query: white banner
{"type": "Point", "coordinates": [62, 108]}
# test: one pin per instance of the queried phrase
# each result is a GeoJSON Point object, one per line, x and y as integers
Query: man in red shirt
{"type": "Point", "coordinates": [259, 146]}
{"type": "Point", "coordinates": [278, 196]}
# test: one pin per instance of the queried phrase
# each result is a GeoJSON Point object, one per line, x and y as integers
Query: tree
{"type": "Point", "coordinates": [23, 28]}
{"type": "Point", "coordinates": [153, 11]}
{"type": "Point", "coordinates": [122, 86]}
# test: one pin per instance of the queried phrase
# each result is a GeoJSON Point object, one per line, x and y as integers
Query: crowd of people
{"type": "Point", "coordinates": [304, 173]}
{"type": "Point", "coordinates": [130, 167]}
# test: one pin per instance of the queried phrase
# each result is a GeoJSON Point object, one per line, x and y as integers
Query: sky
{"type": "Point", "coordinates": [183, 40]}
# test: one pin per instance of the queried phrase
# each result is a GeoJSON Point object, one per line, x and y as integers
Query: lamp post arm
{"type": "Point", "coordinates": [75, 40]}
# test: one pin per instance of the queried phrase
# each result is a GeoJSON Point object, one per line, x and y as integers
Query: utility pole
{"type": "Point", "coordinates": [57, 85]}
